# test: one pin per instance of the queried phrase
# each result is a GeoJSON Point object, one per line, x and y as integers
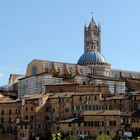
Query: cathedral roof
{"type": "Point", "coordinates": [91, 56]}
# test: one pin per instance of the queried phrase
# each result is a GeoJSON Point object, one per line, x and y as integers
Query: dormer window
{"type": "Point", "coordinates": [34, 70]}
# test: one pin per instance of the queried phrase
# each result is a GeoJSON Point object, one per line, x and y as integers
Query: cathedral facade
{"type": "Point", "coordinates": [91, 68]}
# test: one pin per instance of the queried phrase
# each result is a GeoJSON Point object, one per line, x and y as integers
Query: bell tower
{"type": "Point", "coordinates": [92, 37]}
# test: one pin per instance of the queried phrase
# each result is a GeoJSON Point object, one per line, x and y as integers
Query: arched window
{"type": "Point", "coordinates": [34, 70]}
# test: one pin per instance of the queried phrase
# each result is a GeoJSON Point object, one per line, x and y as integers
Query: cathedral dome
{"type": "Point", "coordinates": [91, 57]}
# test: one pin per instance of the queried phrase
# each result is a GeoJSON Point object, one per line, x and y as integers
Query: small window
{"type": "Point", "coordinates": [34, 70]}
{"type": "Point", "coordinates": [2, 120]}
{"type": "Point", "coordinates": [79, 124]}
{"type": "Point", "coordinates": [10, 112]}
{"type": "Point", "coordinates": [95, 98]}
{"type": "Point", "coordinates": [87, 98]}
{"type": "Point", "coordinates": [47, 118]}
{"type": "Point", "coordinates": [47, 109]}
{"type": "Point", "coordinates": [32, 117]}
{"type": "Point", "coordinates": [2, 112]}
{"type": "Point", "coordinates": [95, 107]}
{"type": "Point", "coordinates": [31, 108]}
{"type": "Point", "coordinates": [107, 132]}
{"type": "Point", "coordinates": [80, 99]}
{"type": "Point", "coordinates": [21, 127]}
{"type": "Point", "coordinates": [74, 107]}
{"type": "Point", "coordinates": [39, 125]}
{"type": "Point", "coordinates": [22, 135]}
{"type": "Point", "coordinates": [25, 126]}
{"type": "Point", "coordinates": [69, 124]}
{"type": "Point", "coordinates": [81, 107]}
{"type": "Point", "coordinates": [26, 117]}
{"type": "Point", "coordinates": [87, 107]}
{"type": "Point", "coordinates": [112, 123]}
{"type": "Point", "coordinates": [10, 120]}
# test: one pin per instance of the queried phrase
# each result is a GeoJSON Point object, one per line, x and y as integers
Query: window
{"type": "Point", "coordinates": [95, 107]}
{"type": "Point", "coordinates": [101, 123]}
{"type": "Point", "coordinates": [26, 109]}
{"type": "Point", "coordinates": [81, 107]}
{"type": "Point", "coordinates": [66, 109]}
{"type": "Point", "coordinates": [47, 118]}
{"type": "Point", "coordinates": [53, 110]}
{"type": "Point", "coordinates": [78, 107]}
{"type": "Point", "coordinates": [10, 129]}
{"type": "Point", "coordinates": [39, 125]}
{"type": "Point", "coordinates": [47, 109]}
{"type": "Point", "coordinates": [95, 98]}
{"type": "Point", "coordinates": [61, 100]}
{"type": "Point", "coordinates": [10, 112]}
{"type": "Point", "coordinates": [79, 124]}
{"type": "Point", "coordinates": [107, 132]}
{"type": "Point", "coordinates": [87, 107]}
{"type": "Point", "coordinates": [112, 123]}
{"type": "Point", "coordinates": [31, 108]}
{"type": "Point", "coordinates": [32, 117]}
{"type": "Point", "coordinates": [74, 107]}
{"type": "Point", "coordinates": [2, 112]}
{"type": "Point", "coordinates": [22, 135]}
{"type": "Point", "coordinates": [87, 98]}
{"type": "Point", "coordinates": [26, 117]}
{"type": "Point", "coordinates": [17, 111]}
{"type": "Point", "coordinates": [21, 127]}
{"type": "Point", "coordinates": [26, 126]}
{"type": "Point", "coordinates": [34, 70]}
{"type": "Point", "coordinates": [85, 123]}
{"type": "Point", "coordinates": [46, 70]}
{"type": "Point", "coordinates": [80, 99]}
{"type": "Point", "coordinates": [69, 124]}
{"type": "Point", "coordinates": [2, 120]}
{"type": "Point", "coordinates": [10, 119]}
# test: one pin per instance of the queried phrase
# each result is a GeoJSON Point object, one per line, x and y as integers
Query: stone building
{"type": "Point", "coordinates": [85, 99]}
{"type": "Point", "coordinates": [91, 68]}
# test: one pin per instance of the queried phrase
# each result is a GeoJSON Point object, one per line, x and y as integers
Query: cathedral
{"type": "Point", "coordinates": [91, 68]}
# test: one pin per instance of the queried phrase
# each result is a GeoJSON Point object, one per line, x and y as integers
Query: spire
{"type": "Point", "coordinates": [85, 27]}
{"type": "Point", "coordinates": [92, 23]}
{"type": "Point", "coordinates": [92, 39]}
{"type": "Point", "coordinates": [92, 20]}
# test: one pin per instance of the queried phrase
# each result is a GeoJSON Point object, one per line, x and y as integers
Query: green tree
{"type": "Point", "coordinates": [71, 137]}
{"type": "Point", "coordinates": [103, 137]}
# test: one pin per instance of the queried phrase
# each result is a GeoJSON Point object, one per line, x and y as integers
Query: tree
{"type": "Point", "coordinates": [71, 137]}
{"type": "Point", "coordinates": [103, 137]}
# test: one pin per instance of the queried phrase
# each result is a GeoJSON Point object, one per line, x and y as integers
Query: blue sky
{"type": "Point", "coordinates": [53, 30]}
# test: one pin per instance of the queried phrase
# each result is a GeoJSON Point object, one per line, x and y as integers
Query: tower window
{"type": "Point", "coordinates": [34, 70]}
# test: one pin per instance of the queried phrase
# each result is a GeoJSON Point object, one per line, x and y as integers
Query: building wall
{"type": "Point", "coordinates": [93, 126]}
{"type": "Point", "coordinates": [35, 84]}
{"type": "Point", "coordinates": [8, 114]}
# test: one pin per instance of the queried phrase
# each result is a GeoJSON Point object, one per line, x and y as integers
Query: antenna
{"type": "Point", "coordinates": [91, 13]}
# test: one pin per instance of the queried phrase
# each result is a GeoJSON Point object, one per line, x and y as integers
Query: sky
{"type": "Point", "coordinates": [53, 30]}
